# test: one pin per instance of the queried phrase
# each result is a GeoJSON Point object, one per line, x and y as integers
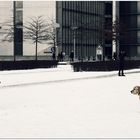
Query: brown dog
{"type": "Point", "coordinates": [136, 91]}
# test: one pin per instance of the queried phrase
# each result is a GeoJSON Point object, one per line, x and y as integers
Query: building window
{"type": "Point", "coordinates": [19, 17]}
{"type": "Point", "coordinates": [138, 37]}
{"type": "Point", "coordinates": [138, 50]}
{"type": "Point", "coordinates": [19, 4]}
{"type": "Point", "coordinates": [108, 8]}
{"type": "Point", "coordinates": [138, 21]}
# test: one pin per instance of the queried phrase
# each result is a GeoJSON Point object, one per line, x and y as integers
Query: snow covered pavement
{"type": "Point", "coordinates": [95, 105]}
{"type": "Point", "coordinates": [62, 73]}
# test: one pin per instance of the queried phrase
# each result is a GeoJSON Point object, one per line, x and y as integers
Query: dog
{"type": "Point", "coordinates": [136, 91]}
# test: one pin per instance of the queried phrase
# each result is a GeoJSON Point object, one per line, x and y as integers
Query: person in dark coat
{"type": "Point", "coordinates": [53, 56]}
{"type": "Point", "coordinates": [72, 56]}
{"type": "Point", "coordinates": [59, 57]}
{"type": "Point", "coordinates": [121, 63]}
{"type": "Point", "coordinates": [63, 56]}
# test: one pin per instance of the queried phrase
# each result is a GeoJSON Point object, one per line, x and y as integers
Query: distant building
{"type": "Point", "coordinates": [82, 21]}
{"type": "Point", "coordinates": [129, 14]}
{"type": "Point", "coordinates": [14, 15]}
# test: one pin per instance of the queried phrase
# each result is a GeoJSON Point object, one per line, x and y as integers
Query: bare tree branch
{"type": "Point", "coordinates": [36, 30]}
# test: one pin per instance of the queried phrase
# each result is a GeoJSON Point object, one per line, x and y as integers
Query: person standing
{"type": "Point", "coordinates": [53, 56]}
{"type": "Point", "coordinates": [63, 56]}
{"type": "Point", "coordinates": [72, 56]}
{"type": "Point", "coordinates": [121, 63]}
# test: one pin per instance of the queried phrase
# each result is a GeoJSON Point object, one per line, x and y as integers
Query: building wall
{"type": "Point", "coordinates": [130, 17]}
{"type": "Point", "coordinates": [24, 11]}
{"type": "Point", "coordinates": [11, 35]}
{"type": "Point", "coordinates": [6, 31]}
{"type": "Point", "coordinates": [108, 21]}
{"type": "Point", "coordinates": [88, 17]}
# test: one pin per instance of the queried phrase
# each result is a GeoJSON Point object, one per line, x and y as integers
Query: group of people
{"type": "Point", "coordinates": [61, 56]}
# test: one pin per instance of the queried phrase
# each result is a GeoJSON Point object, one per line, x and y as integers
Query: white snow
{"type": "Point", "coordinates": [60, 103]}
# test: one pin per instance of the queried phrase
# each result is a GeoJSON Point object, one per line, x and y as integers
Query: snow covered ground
{"type": "Point", "coordinates": [60, 103]}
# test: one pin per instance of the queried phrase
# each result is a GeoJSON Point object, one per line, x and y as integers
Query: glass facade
{"type": "Point", "coordinates": [108, 22]}
{"type": "Point", "coordinates": [84, 22]}
{"type": "Point", "coordinates": [130, 17]}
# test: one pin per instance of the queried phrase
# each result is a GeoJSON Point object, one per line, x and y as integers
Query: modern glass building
{"type": "Point", "coordinates": [82, 27]}
{"type": "Point", "coordinates": [129, 14]}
